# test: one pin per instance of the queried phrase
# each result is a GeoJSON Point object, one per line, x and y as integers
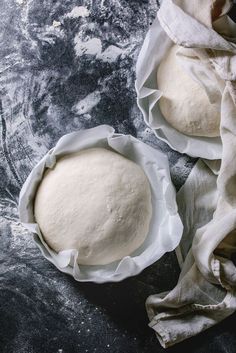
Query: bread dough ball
{"type": "Point", "coordinates": [184, 103]}
{"type": "Point", "coordinates": [95, 201]}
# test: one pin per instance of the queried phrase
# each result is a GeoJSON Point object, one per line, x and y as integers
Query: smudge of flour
{"type": "Point", "coordinates": [91, 47]}
{"type": "Point", "coordinates": [88, 103]}
{"type": "Point", "coordinates": [56, 23]}
{"type": "Point", "coordinates": [110, 54]}
{"type": "Point", "coordinates": [78, 11]}
{"type": "Point", "coordinates": [21, 2]}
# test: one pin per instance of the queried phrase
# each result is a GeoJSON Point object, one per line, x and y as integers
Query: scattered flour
{"type": "Point", "coordinates": [78, 11]}
{"type": "Point", "coordinates": [180, 163]}
{"type": "Point", "coordinates": [91, 47]}
{"type": "Point", "coordinates": [110, 54]}
{"type": "Point", "coordinates": [85, 105]}
{"type": "Point", "coordinates": [56, 23]}
{"type": "Point", "coordinates": [21, 2]}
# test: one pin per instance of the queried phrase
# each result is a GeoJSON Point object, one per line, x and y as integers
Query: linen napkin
{"type": "Point", "coordinates": [206, 291]}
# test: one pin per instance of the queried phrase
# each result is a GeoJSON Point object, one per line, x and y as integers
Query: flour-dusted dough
{"type": "Point", "coordinates": [184, 103]}
{"type": "Point", "coordinates": [95, 201]}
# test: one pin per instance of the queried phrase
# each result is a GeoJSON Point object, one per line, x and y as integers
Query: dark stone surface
{"type": "Point", "coordinates": [50, 85]}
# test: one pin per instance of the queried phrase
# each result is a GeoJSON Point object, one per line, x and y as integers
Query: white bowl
{"type": "Point", "coordinates": [154, 48]}
{"type": "Point", "coordinates": [165, 228]}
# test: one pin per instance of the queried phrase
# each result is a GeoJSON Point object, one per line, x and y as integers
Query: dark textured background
{"type": "Point", "coordinates": [54, 80]}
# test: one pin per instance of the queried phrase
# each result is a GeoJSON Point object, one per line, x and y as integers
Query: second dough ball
{"type": "Point", "coordinates": [184, 103]}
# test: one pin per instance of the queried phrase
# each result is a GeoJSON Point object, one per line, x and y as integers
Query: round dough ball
{"type": "Point", "coordinates": [184, 103]}
{"type": "Point", "coordinates": [95, 201]}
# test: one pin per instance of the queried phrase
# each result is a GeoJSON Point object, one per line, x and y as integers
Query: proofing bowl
{"type": "Point", "coordinates": [165, 229]}
{"type": "Point", "coordinates": [155, 46]}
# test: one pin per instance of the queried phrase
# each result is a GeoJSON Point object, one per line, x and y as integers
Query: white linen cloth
{"type": "Point", "coordinates": [206, 291]}
{"type": "Point", "coordinates": [165, 228]}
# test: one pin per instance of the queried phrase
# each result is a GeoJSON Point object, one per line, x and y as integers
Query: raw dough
{"type": "Point", "coordinates": [95, 201]}
{"type": "Point", "coordinates": [184, 103]}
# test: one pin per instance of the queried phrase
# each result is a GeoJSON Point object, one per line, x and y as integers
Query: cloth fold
{"type": "Point", "coordinates": [206, 291]}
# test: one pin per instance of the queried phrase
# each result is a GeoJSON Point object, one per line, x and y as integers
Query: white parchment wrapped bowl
{"type": "Point", "coordinates": [155, 47]}
{"type": "Point", "coordinates": [165, 227]}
